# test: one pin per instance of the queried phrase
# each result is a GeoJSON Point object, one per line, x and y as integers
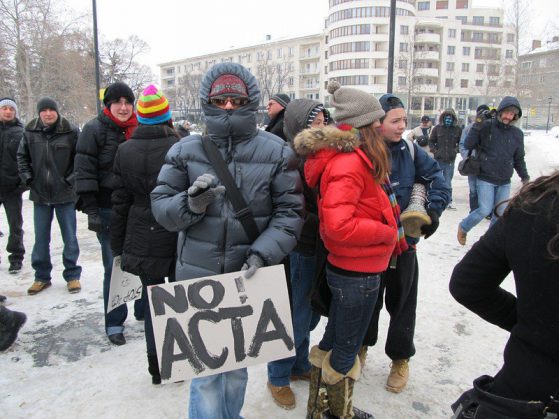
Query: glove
{"type": "Point", "coordinates": [201, 194]}
{"type": "Point", "coordinates": [252, 264]}
{"type": "Point", "coordinates": [87, 203]}
{"type": "Point", "coordinates": [429, 229]}
{"type": "Point", "coordinates": [94, 222]}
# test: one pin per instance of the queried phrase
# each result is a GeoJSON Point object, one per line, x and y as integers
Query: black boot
{"type": "Point", "coordinates": [153, 369]}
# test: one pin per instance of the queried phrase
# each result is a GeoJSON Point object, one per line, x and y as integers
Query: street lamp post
{"type": "Point", "coordinates": [548, 113]}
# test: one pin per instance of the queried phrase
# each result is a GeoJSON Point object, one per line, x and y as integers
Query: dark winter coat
{"type": "Point", "coordinates": [443, 141]}
{"type": "Point", "coordinates": [265, 170]}
{"type": "Point", "coordinates": [295, 120]}
{"type": "Point", "coordinates": [45, 160]}
{"type": "Point", "coordinates": [500, 147]}
{"type": "Point", "coordinates": [517, 243]}
{"type": "Point", "coordinates": [405, 171]}
{"type": "Point", "coordinates": [357, 224]}
{"type": "Point", "coordinates": [11, 134]}
{"type": "Point", "coordinates": [147, 249]}
{"type": "Point", "coordinates": [97, 146]}
{"type": "Point", "coordinates": [275, 126]}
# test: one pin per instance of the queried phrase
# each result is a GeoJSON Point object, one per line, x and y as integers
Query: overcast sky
{"type": "Point", "coordinates": [177, 29]}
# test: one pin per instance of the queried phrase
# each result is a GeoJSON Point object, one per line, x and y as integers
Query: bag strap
{"type": "Point", "coordinates": [411, 148]}
{"type": "Point", "coordinates": [242, 211]}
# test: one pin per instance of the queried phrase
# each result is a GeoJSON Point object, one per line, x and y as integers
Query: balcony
{"type": "Point", "coordinates": [426, 55]}
{"type": "Point", "coordinates": [425, 88]}
{"type": "Point", "coordinates": [427, 38]}
{"type": "Point", "coordinates": [426, 72]}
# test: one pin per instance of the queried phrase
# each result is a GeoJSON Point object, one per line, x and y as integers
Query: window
{"type": "Point", "coordinates": [404, 30]}
{"type": "Point", "coordinates": [465, 67]}
{"type": "Point", "coordinates": [461, 4]}
{"type": "Point", "coordinates": [480, 68]}
{"type": "Point", "coordinates": [403, 47]}
{"type": "Point", "coordinates": [449, 82]}
{"type": "Point", "coordinates": [494, 38]}
{"type": "Point", "coordinates": [479, 83]}
{"type": "Point", "coordinates": [462, 19]}
{"type": "Point", "coordinates": [423, 5]}
{"type": "Point", "coordinates": [452, 33]}
{"type": "Point", "coordinates": [290, 51]}
{"type": "Point", "coordinates": [450, 50]}
{"type": "Point", "coordinates": [449, 66]}
{"type": "Point", "coordinates": [465, 51]}
{"type": "Point", "coordinates": [269, 54]}
{"type": "Point", "coordinates": [478, 53]}
{"type": "Point", "coordinates": [169, 71]}
{"type": "Point", "coordinates": [464, 83]}
{"type": "Point", "coordinates": [494, 20]}
{"type": "Point", "coordinates": [279, 53]}
{"type": "Point", "coordinates": [510, 37]}
{"type": "Point", "coordinates": [403, 64]}
{"type": "Point", "coordinates": [478, 20]}
{"type": "Point", "coordinates": [477, 36]}
{"type": "Point", "coordinates": [442, 4]}
{"type": "Point", "coordinates": [508, 53]}
{"type": "Point", "coordinates": [401, 81]}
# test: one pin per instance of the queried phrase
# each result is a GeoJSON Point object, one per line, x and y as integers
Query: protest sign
{"type": "Point", "coordinates": [124, 287]}
{"type": "Point", "coordinates": [221, 323]}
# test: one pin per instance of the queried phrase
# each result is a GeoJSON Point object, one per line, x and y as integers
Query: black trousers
{"type": "Point", "coordinates": [399, 287]}
{"type": "Point", "coordinates": [13, 206]}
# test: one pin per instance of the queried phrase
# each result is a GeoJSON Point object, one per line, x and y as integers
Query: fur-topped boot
{"type": "Point", "coordinates": [318, 400]}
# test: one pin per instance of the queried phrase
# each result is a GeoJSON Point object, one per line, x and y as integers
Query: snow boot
{"type": "Point", "coordinates": [153, 369]}
{"type": "Point", "coordinates": [10, 323]}
{"type": "Point", "coordinates": [318, 400]}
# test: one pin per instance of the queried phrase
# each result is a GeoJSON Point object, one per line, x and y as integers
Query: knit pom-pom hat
{"type": "Point", "coordinates": [153, 107]}
{"type": "Point", "coordinates": [353, 107]}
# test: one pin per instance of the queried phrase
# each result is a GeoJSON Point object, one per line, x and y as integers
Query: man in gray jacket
{"type": "Point", "coordinates": [190, 199]}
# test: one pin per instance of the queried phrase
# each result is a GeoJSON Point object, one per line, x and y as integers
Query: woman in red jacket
{"type": "Point", "coordinates": [359, 224]}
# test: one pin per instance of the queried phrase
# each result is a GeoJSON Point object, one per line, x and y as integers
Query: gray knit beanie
{"type": "Point", "coordinates": [353, 107]}
{"type": "Point", "coordinates": [8, 101]}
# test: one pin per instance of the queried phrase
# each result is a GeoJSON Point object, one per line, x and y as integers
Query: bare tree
{"type": "Point", "coordinates": [272, 76]}
{"type": "Point", "coordinates": [187, 99]}
{"type": "Point", "coordinates": [518, 14]}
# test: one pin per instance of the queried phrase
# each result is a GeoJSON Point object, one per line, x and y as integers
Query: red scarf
{"type": "Point", "coordinates": [128, 126]}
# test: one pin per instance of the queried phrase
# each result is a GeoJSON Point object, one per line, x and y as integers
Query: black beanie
{"type": "Point", "coordinates": [46, 102]}
{"type": "Point", "coordinates": [115, 91]}
{"type": "Point", "coordinates": [281, 98]}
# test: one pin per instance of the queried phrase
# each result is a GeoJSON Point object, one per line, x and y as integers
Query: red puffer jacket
{"type": "Point", "coordinates": [357, 223]}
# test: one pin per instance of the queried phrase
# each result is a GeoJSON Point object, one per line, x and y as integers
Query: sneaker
{"type": "Point", "coordinates": [37, 287]}
{"type": "Point", "coordinates": [461, 236]}
{"type": "Point", "coordinates": [302, 376]}
{"type": "Point", "coordinates": [398, 377]}
{"type": "Point", "coordinates": [283, 396]}
{"type": "Point", "coordinates": [9, 334]}
{"type": "Point", "coordinates": [451, 206]}
{"type": "Point", "coordinates": [117, 339]}
{"type": "Point", "coordinates": [74, 286]}
{"type": "Point", "coordinates": [14, 268]}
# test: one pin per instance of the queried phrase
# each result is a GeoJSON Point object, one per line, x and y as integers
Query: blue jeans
{"type": "Point", "coordinates": [114, 321]}
{"type": "Point", "coordinates": [351, 309]}
{"type": "Point", "coordinates": [304, 320]}
{"type": "Point", "coordinates": [472, 184]}
{"type": "Point", "coordinates": [40, 256]}
{"type": "Point", "coordinates": [448, 174]}
{"type": "Point", "coordinates": [219, 396]}
{"type": "Point", "coordinates": [488, 195]}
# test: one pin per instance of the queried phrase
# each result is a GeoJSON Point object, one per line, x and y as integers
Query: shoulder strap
{"type": "Point", "coordinates": [242, 211]}
{"type": "Point", "coordinates": [411, 148]}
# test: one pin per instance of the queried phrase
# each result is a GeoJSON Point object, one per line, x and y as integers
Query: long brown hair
{"type": "Point", "coordinates": [531, 194]}
{"type": "Point", "coordinates": [374, 147]}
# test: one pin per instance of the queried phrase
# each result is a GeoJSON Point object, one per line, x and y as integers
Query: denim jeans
{"type": "Point", "coordinates": [219, 396]}
{"type": "Point", "coordinates": [448, 173]}
{"type": "Point", "coordinates": [40, 256]}
{"type": "Point", "coordinates": [13, 206]}
{"type": "Point", "coordinates": [302, 269]}
{"type": "Point", "coordinates": [472, 184]}
{"type": "Point", "coordinates": [114, 321]}
{"type": "Point", "coordinates": [353, 301]}
{"type": "Point", "coordinates": [488, 195]}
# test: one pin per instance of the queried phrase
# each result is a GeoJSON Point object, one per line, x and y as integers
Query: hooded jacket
{"type": "Point", "coordinates": [500, 147]}
{"type": "Point", "coordinates": [147, 249]}
{"type": "Point", "coordinates": [45, 160]}
{"type": "Point", "coordinates": [265, 170]}
{"type": "Point", "coordinates": [443, 141]}
{"type": "Point", "coordinates": [11, 134]}
{"type": "Point", "coordinates": [357, 223]}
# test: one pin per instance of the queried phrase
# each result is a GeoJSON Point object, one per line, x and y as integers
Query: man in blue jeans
{"type": "Point", "coordinates": [45, 161]}
{"type": "Point", "coordinates": [96, 150]}
{"type": "Point", "coordinates": [501, 147]}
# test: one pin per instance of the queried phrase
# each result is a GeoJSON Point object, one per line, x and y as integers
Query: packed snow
{"type": "Point", "coordinates": [63, 366]}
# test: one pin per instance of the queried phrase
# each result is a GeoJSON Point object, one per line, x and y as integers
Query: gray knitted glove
{"type": "Point", "coordinates": [252, 264]}
{"type": "Point", "coordinates": [201, 194]}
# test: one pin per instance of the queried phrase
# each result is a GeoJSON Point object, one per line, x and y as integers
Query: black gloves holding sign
{"type": "Point", "coordinates": [429, 229]}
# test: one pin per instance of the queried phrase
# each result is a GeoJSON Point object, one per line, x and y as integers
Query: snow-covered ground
{"type": "Point", "coordinates": [62, 365]}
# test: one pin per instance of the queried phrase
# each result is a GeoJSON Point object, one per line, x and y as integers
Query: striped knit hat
{"type": "Point", "coordinates": [153, 107]}
{"type": "Point", "coordinates": [314, 112]}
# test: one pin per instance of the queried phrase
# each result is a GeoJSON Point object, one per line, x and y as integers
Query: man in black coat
{"type": "Point", "coordinates": [276, 109]}
{"type": "Point", "coordinates": [45, 160]}
{"type": "Point", "coordinates": [11, 187]}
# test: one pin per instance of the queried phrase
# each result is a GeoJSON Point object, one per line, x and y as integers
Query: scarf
{"type": "Point", "coordinates": [401, 244]}
{"type": "Point", "coordinates": [128, 126]}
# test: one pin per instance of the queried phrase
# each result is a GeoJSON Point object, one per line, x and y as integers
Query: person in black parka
{"type": "Point", "coordinates": [276, 112]}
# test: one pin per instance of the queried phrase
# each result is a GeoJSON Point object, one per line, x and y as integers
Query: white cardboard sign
{"type": "Point", "coordinates": [221, 323]}
{"type": "Point", "coordinates": [124, 287]}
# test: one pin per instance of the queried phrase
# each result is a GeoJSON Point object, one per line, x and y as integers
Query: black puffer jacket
{"type": "Point", "coordinates": [96, 150]}
{"type": "Point", "coordinates": [500, 146]}
{"type": "Point", "coordinates": [45, 160]}
{"type": "Point", "coordinates": [11, 134]}
{"type": "Point", "coordinates": [275, 126]}
{"type": "Point", "coordinates": [147, 249]}
{"type": "Point", "coordinates": [443, 141]}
